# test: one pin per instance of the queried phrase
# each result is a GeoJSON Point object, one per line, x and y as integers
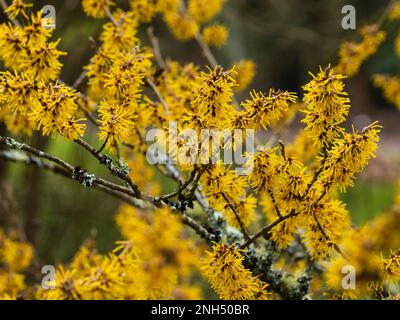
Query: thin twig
{"type": "Point", "coordinates": [22, 146]}
{"type": "Point", "coordinates": [206, 50]}
{"type": "Point", "coordinates": [80, 79]}
{"type": "Point", "coordinates": [237, 216]}
{"type": "Point", "coordinates": [271, 195]}
{"type": "Point", "coordinates": [36, 161]}
{"type": "Point", "coordinates": [159, 96]}
{"type": "Point", "coordinates": [110, 16]}
{"type": "Point", "coordinates": [156, 47]}
{"type": "Point", "coordinates": [111, 167]}
{"type": "Point", "coordinates": [182, 187]}
{"type": "Point", "coordinates": [267, 228]}
{"type": "Point", "coordinates": [385, 13]}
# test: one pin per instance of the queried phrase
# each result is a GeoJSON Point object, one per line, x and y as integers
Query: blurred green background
{"type": "Point", "coordinates": [286, 39]}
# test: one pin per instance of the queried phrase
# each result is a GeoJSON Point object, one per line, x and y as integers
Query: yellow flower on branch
{"type": "Point", "coordinates": [204, 10]}
{"type": "Point", "coordinates": [116, 123]}
{"type": "Point", "coordinates": [18, 7]}
{"type": "Point", "coordinates": [327, 105]}
{"type": "Point", "coordinates": [353, 54]}
{"type": "Point", "coordinates": [96, 8]}
{"type": "Point", "coordinates": [223, 268]}
{"type": "Point", "coordinates": [183, 27]}
{"type": "Point", "coordinates": [390, 268]}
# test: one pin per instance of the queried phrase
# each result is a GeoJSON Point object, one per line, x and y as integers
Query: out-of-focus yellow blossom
{"type": "Point", "coordinates": [183, 27]}
{"type": "Point", "coordinates": [303, 147]}
{"type": "Point", "coordinates": [353, 54]}
{"type": "Point", "coordinates": [204, 10]}
{"type": "Point", "coordinates": [11, 285]}
{"type": "Point", "coordinates": [390, 86]}
{"type": "Point", "coordinates": [216, 35]}
{"type": "Point", "coordinates": [143, 175]}
{"type": "Point", "coordinates": [165, 252]}
{"type": "Point", "coordinates": [245, 72]}
{"type": "Point", "coordinates": [394, 11]}
{"type": "Point", "coordinates": [144, 9]}
{"type": "Point", "coordinates": [391, 267]}
{"type": "Point", "coordinates": [15, 257]}
{"type": "Point", "coordinates": [96, 8]}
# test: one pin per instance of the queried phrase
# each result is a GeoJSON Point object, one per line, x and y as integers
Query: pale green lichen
{"type": "Point", "coordinates": [85, 178]}
{"type": "Point", "coordinates": [14, 144]}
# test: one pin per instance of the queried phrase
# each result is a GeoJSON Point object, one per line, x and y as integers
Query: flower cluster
{"type": "Point", "coordinates": [353, 54]}
{"type": "Point", "coordinates": [390, 86]}
{"type": "Point", "coordinates": [224, 269]}
{"type": "Point", "coordinates": [154, 262]}
{"type": "Point", "coordinates": [15, 257]}
{"type": "Point", "coordinates": [267, 228]}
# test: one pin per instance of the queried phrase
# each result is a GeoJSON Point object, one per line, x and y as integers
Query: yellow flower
{"type": "Point", "coordinates": [223, 268]}
{"type": "Point", "coordinates": [18, 7]}
{"type": "Point", "coordinates": [204, 10]}
{"type": "Point", "coordinates": [144, 9]}
{"type": "Point", "coordinates": [330, 216]}
{"type": "Point", "coordinates": [35, 33]}
{"type": "Point", "coordinates": [214, 95]}
{"type": "Point", "coordinates": [125, 77]}
{"type": "Point", "coordinates": [165, 6]}
{"type": "Point", "coordinates": [220, 181]}
{"type": "Point", "coordinates": [12, 45]}
{"type": "Point", "coordinates": [216, 35]}
{"type": "Point", "coordinates": [96, 8]}
{"type": "Point", "coordinates": [390, 267]}
{"type": "Point", "coordinates": [349, 156]}
{"type": "Point", "coordinates": [245, 72]}
{"type": "Point", "coordinates": [390, 86]}
{"type": "Point", "coordinates": [120, 38]}
{"type": "Point", "coordinates": [245, 208]}
{"type": "Point", "coordinates": [327, 106]}
{"type": "Point", "coordinates": [183, 27]}
{"type": "Point", "coordinates": [267, 110]}
{"type": "Point", "coordinates": [116, 123]}
{"type": "Point", "coordinates": [263, 166]}
{"type": "Point", "coordinates": [54, 109]}
{"type": "Point", "coordinates": [11, 284]}
{"type": "Point", "coordinates": [394, 12]}
{"type": "Point", "coordinates": [15, 255]}
{"type": "Point", "coordinates": [43, 61]}
{"type": "Point", "coordinates": [352, 54]}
